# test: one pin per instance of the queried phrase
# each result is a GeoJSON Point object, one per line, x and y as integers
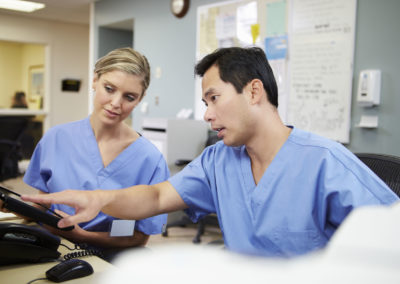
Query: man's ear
{"type": "Point", "coordinates": [256, 88]}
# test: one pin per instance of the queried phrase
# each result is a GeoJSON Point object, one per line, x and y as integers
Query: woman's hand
{"type": "Point", "coordinates": [77, 235]}
{"type": "Point", "coordinates": [2, 209]}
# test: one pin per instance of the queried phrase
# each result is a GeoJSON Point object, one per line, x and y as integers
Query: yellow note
{"type": "Point", "coordinates": [255, 32]}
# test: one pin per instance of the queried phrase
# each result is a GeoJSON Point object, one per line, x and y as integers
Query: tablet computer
{"type": "Point", "coordinates": [16, 205]}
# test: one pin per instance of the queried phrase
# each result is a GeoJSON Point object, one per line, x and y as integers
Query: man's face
{"type": "Point", "coordinates": [227, 110]}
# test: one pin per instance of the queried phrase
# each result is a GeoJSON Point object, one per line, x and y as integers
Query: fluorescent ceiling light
{"type": "Point", "coordinates": [19, 5]}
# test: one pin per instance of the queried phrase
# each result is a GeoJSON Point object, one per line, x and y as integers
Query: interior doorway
{"type": "Point", "coordinates": [115, 35]}
{"type": "Point", "coordinates": [23, 97]}
{"type": "Point", "coordinates": [22, 71]}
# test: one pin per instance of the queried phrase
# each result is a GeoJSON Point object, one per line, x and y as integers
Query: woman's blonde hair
{"type": "Point", "coordinates": [127, 60]}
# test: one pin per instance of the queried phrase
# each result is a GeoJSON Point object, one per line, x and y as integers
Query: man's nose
{"type": "Point", "coordinates": [208, 116]}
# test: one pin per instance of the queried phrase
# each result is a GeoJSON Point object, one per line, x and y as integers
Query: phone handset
{"type": "Point", "coordinates": [21, 243]}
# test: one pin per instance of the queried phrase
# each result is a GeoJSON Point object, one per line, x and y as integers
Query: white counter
{"type": "Point", "coordinates": [21, 112]}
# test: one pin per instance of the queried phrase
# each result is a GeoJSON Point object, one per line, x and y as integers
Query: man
{"type": "Point", "coordinates": [277, 190]}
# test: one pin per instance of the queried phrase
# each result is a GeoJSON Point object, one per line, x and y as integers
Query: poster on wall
{"type": "Point", "coordinates": [321, 54]}
{"type": "Point", "coordinates": [36, 86]}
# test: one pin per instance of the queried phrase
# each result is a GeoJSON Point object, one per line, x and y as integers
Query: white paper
{"type": "Point", "coordinates": [5, 216]}
{"type": "Point", "coordinates": [122, 228]}
{"type": "Point", "coordinates": [368, 121]}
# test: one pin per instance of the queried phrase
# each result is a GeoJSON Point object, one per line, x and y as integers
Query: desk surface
{"type": "Point", "coordinates": [23, 273]}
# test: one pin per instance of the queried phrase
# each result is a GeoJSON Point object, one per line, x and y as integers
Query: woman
{"type": "Point", "coordinates": [102, 152]}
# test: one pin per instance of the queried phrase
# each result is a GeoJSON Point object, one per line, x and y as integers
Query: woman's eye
{"type": "Point", "coordinates": [130, 98]}
{"type": "Point", "coordinates": [109, 89]}
{"type": "Point", "coordinates": [213, 98]}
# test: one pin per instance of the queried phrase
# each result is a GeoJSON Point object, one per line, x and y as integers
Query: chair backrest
{"type": "Point", "coordinates": [12, 127]}
{"type": "Point", "coordinates": [11, 131]}
{"type": "Point", "coordinates": [386, 167]}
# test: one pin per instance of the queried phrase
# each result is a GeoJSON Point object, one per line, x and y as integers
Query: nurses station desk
{"type": "Point", "coordinates": [24, 272]}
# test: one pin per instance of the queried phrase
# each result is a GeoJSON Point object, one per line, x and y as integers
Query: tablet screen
{"type": "Point", "coordinates": [14, 203]}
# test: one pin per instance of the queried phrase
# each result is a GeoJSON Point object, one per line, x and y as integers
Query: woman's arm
{"type": "Point", "coordinates": [101, 239]}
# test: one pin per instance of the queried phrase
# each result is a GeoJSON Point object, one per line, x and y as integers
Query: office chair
{"type": "Point", "coordinates": [384, 166]}
{"type": "Point", "coordinates": [210, 219]}
{"type": "Point", "coordinates": [11, 130]}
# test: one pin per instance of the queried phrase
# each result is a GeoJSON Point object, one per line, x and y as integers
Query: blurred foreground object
{"type": "Point", "coordinates": [365, 249]}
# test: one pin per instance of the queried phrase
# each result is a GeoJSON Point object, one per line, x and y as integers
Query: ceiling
{"type": "Point", "coordinates": [72, 11]}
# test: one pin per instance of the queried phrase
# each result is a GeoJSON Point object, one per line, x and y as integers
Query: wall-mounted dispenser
{"type": "Point", "coordinates": [369, 88]}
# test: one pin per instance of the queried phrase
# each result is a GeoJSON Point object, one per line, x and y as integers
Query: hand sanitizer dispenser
{"type": "Point", "coordinates": [369, 88]}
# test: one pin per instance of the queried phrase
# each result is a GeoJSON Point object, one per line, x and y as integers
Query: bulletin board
{"type": "Point", "coordinates": [310, 46]}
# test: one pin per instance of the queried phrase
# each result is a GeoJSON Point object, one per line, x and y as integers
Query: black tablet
{"type": "Point", "coordinates": [16, 205]}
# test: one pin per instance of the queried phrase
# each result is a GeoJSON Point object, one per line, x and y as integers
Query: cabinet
{"type": "Point", "coordinates": [177, 139]}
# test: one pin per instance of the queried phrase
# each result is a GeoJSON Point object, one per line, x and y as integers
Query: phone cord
{"type": "Point", "coordinates": [84, 251]}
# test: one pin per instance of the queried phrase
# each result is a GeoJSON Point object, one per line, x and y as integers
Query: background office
{"type": "Point", "coordinates": [170, 45]}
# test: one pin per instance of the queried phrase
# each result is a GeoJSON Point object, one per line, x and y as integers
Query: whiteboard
{"type": "Point", "coordinates": [315, 78]}
{"type": "Point", "coordinates": [321, 54]}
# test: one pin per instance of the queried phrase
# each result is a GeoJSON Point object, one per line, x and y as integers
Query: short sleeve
{"type": "Point", "coordinates": [37, 174]}
{"type": "Point", "coordinates": [195, 184]}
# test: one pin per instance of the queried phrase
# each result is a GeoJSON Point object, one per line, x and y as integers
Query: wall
{"type": "Point", "coordinates": [67, 49]}
{"type": "Point", "coordinates": [10, 71]}
{"type": "Point", "coordinates": [170, 44]}
{"type": "Point", "coordinates": [377, 46]}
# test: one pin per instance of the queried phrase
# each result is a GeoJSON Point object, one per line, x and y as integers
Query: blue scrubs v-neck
{"type": "Point", "coordinates": [93, 150]}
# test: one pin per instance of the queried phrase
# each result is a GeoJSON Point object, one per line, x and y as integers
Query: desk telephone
{"type": "Point", "coordinates": [21, 243]}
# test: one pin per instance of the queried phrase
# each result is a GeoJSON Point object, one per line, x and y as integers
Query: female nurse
{"type": "Point", "coordinates": [103, 152]}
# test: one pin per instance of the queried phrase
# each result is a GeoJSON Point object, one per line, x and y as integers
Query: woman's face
{"type": "Point", "coordinates": [116, 94]}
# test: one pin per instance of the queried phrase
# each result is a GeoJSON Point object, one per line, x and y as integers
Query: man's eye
{"type": "Point", "coordinates": [213, 98]}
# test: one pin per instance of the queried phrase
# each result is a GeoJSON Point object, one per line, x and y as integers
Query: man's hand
{"type": "Point", "coordinates": [87, 204]}
{"type": "Point", "coordinates": [132, 203]}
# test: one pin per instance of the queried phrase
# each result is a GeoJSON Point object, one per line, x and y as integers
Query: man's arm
{"type": "Point", "coordinates": [136, 202]}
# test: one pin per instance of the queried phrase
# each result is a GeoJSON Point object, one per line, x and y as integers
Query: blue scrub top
{"type": "Point", "coordinates": [309, 188]}
{"type": "Point", "coordinates": [68, 157]}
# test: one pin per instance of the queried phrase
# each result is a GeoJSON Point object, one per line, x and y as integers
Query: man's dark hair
{"type": "Point", "coordinates": [239, 66]}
